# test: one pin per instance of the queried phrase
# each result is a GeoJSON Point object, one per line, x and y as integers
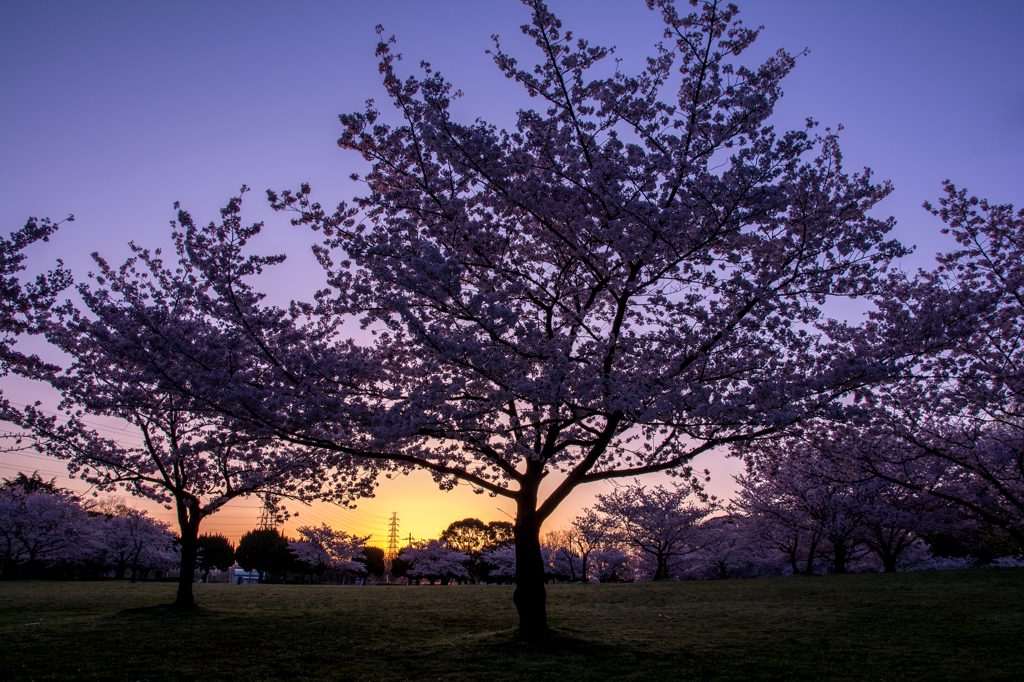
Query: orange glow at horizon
{"type": "Point", "coordinates": [423, 510]}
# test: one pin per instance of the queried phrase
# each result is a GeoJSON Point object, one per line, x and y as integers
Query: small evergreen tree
{"type": "Point", "coordinates": [215, 552]}
{"type": "Point", "coordinates": [264, 550]}
{"type": "Point", "coordinates": [374, 560]}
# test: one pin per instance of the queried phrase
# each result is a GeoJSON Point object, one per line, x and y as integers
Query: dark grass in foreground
{"type": "Point", "coordinates": [952, 625]}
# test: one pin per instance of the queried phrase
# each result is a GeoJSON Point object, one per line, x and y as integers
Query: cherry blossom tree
{"type": "Point", "coordinates": [10, 491]}
{"type": "Point", "coordinates": [629, 278]}
{"type": "Point", "coordinates": [832, 506]}
{"type": "Point", "coordinates": [434, 560]}
{"type": "Point", "coordinates": [474, 537]}
{"type": "Point", "coordinates": [19, 304]}
{"type": "Point", "coordinates": [44, 527]}
{"type": "Point", "coordinates": [660, 524]}
{"type": "Point", "coordinates": [828, 497]}
{"type": "Point", "coordinates": [778, 525]}
{"type": "Point", "coordinates": [588, 533]}
{"type": "Point", "coordinates": [611, 564]}
{"type": "Point", "coordinates": [729, 549]}
{"type": "Point", "coordinates": [952, 426]}
{"type": "Point", "coordinates": [149, 337]}
{"type": "Point", "coordinates": [133, 540]}
{"type": "Point", "coordinates": [323, 547]}
{"type": "Point", "coordinates": [895, 518]}
{"type": "Point", "coordinates": [833, 503]}
{"type": "Point", "coordinates": [565, 563]}
{"type": "Point", "coordinates": [501, 561]}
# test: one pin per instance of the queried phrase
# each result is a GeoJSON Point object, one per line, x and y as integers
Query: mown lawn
{"type": "Point", "coordinates": [951, 625]}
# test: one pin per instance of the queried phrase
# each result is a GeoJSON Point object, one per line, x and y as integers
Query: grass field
{"type": "Point", "coordinates": [951, 625]}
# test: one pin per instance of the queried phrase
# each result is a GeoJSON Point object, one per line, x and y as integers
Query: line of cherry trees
{"type": "Point", "coordinates": [634, 275]}
{"type": "Point", "coordinates": [793, 514]}
{"type": "Point", "coordinates": [801, 517]}
{"type": "Point", "coordinates": [797, 514]}
{"type": "Point", "coordinates": [50, 532]}
{"type": "Point", "coordinates": [47, 531]}
{"type": "Point", "coordinates": [798, 518]}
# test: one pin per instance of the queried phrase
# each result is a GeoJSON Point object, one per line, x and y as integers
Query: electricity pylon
{"type": "Point", "coordinates": [392, 539]}
{"type": "Point", "coordinates": [268, 517]}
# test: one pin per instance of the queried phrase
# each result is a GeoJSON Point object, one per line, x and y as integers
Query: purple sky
{"type": "Point", "coordinates": [114, 110]}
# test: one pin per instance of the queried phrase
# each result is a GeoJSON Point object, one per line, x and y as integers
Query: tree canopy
{"type": "Point", "coordinates": [264, 550]}
{"type": "Point", "coordinates": [135, 342]}
{"type": "Point", "coordinates": [215, 552]}
{"type": "Point", "coordinates": [631, 277]}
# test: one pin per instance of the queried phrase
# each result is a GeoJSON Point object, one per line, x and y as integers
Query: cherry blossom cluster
{"type": "Point", "coordinates": [325, 547]}
{"type": "Point", "coordinates": [434, 560]}
{"type": "Point", "coordinates": [42, 526]}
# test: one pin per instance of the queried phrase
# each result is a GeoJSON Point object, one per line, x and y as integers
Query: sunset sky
{"type": "Point", "coordinates": [112, 111]}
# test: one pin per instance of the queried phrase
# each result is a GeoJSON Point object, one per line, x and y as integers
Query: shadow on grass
{"type": "Point", "coordinates": [167, 612]}
{"type": "Point", "coordinates": [578, 654]}
{"type": "Point", "coordinates": [554, 641]}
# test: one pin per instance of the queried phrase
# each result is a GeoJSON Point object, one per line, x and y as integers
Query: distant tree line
{"type": "Point", "coordinates": [794, 519]}
{"type": "Point", "coordinates": [47, 531]}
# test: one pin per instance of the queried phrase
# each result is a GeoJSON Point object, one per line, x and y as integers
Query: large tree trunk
{"type": "Point", "coordinates": [1017, 535]}
{"type": "Point", "coordinates": [661, 567]}
{"type": "Point", "coordinates": [809, 569]}
{"type": "Point", "coordinates": [792, 557]}
{"type": "Point", "coordinates": [189, 549]}
{"type": "Point", "coordinates": [888, 550]}
{"type": "Point", "coordinates": [839, 557]}
{"type": "Point", "coordinates": [189, 526]}
{"type": "Point", "coordinates": [30, 565]}
{"type": "Point", "coordinates": [530, 596]}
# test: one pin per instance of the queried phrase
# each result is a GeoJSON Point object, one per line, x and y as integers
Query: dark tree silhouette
{"type": "Point", "coordinates": [215, 552]}
{"type": "Point", "coordinates": [374, 560]}
{"type": "Point", "coordinates": [265, 551]}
